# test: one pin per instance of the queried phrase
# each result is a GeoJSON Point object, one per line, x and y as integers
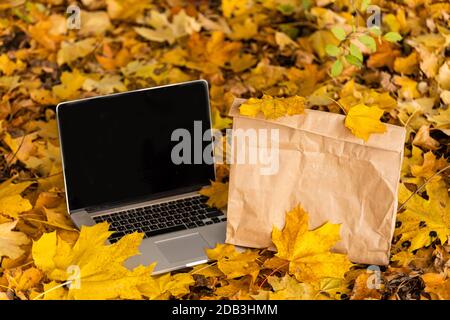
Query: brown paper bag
{"type": "Point", "coordinates": [334, 175]}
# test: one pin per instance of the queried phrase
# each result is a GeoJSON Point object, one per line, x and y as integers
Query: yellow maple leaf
{"type": "Point", "coordinates": [11, 241]}
{"type": "Point", "coordinates": [408, 87]}
{"type": "Point", "coordinates": [438, 285]}
{"type": "Point", "coordinates": [352, 94]}
{"type": "Point", "coordinates": [124, 9]}
{"type": "Point", "coordinates": [288, 288]}
{"type": "Point", "coordinates": [164, 30]}
{"type": "Point", "coordinates": [236, 7]}
{"type": "Point", "coordinates": [407, 65]}
{"type": "Point", "coordinates": [217, 193]}
{"type": "Point", "coordinates": [72, 51]}
{"type": "Point", "coordinates": [309, 251]}
{"type": "Point", "coordinates": [219, 122]}
{"type": "Point", "coordinates": [242, 62]}
{"type": "Point", "coordinates": [430, 165]}
{"type": "Point", "coordinates": [361, 290]}
{"type": "Point", "coordinates": [246, 29]}
{"type": "Point", "coordinates": [264, 75]}
{"type": "Point", "coordinates": [94, 23]}
{"type": "Point", "coordinates": [234, 264]}
{"type": "Point", "coordinates": [273, 108]}
{"type": "Point", "coordinates": [235, 289]}
{"type": "Point", "coordinates": [93, 270]}
{"type": "Point", "coordinates": [106, 85]}
{"type": "Point", "coordinates": [442, 119]}
{"type": "Point", "coordinates": [162, 287]}
{"type": "Point", "coordinates": [423, 221]}
{"type": "Point", "coordinates": [424, 140]}
{"type": "Point", "coordinates": [52, 291]}
{"type": "Point", "coordinates": [11, 202]}
{"type": "Point", "coordinates": [363, 121]}
{"type": "Point", "coordinates": [8, 67]}
{"type": "Point", "coordinates": [23, 280]}
{"type": "Point", "coordinates": [71, 82]}
{"type": "Point", "coordinates": [207, 270]}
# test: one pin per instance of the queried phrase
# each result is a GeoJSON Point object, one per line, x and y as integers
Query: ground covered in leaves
{"type": "Point", "coordinates": [318, 51]}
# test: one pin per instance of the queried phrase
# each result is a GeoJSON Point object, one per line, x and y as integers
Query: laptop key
{"type": "Point", "coordinates": [223, 219]}
{"type": "Point", "coordinates": [215, 220]}
{"type": "Point", "coordinates": [214, 214]}
{"type": "Point", "coordinates": [161, 225]}
{"type": "Point", "coordinates": [170, 223]}
{"type": "Point", "coordinates": [166, 230]}
{"type": "Point", "coordinates": [208, 222]}
{"type": "Point", "coordinates": [177, 222]}
{"type": "Point", "coordinates": [117, 235]}
{"type": "Point", "coordinates": [200, 223]}
{"type": "Point", "coordinates": [191, 225]}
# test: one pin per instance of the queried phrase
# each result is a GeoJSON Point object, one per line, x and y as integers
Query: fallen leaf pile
{"type": "Point", "coordinates": [284, 56]}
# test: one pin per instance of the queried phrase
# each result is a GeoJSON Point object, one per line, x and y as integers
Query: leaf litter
{"type": "Point", "coordinates": [284, 56]}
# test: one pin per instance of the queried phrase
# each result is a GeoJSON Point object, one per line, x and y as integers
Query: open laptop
{"type": "Point", "coordinates": [118, 167]}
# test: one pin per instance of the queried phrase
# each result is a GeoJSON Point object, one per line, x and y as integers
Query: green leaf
{"type": "Point", "coordinates": [332, 50]}
{"type": "Point", "coordinates": [354, 51]}
{"type": "Point", "coordinates": [365, 4]}
{"type": "Point", "coordinates": [306, 4]}
{"type": "Point", "coordinates": [336, 69]}
{"type": "Point", "coordinates": [353, 60]}
{"type": "Point", "coordinates": [369, 42]}
{"type": "Point", "coordinates": [286, 9]}
{"type": "Point", "coordinates": [339, 33]}
{"type": "Point", "coordinates": [375, 30]}
{"type": "Point", "coordinates": [291, 31]}
{"type": "Point", "coordinates": [392, 37]}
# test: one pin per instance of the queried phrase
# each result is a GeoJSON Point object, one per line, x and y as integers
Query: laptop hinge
{"type": "Point", "coordinates": [104, 207]}
{"type": "Point", "coordinates": [118, 205]}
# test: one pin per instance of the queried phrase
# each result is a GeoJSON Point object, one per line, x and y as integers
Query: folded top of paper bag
{"type": "Point", "coordinates": [332, 174]}
{"type": "Point", "coordinates": [330, 125]}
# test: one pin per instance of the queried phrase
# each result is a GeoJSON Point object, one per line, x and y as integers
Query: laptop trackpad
{"type": "Point", "coordinates": [184, 247]}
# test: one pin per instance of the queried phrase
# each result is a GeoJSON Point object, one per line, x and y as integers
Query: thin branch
{"type": "Point", "coordinates": [206, 267]}
{"type": "Point", "coordinates": [340, 105]}
{"type": "Point", "coordinates": [54, 288]}
{"type": "Point", "coordinates": [421, 187]}
{"type": "Point", "coordinates": [273, 272]}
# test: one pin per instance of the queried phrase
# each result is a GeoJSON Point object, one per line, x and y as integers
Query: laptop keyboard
{"type": "Point", "coordinates": [161, 218]}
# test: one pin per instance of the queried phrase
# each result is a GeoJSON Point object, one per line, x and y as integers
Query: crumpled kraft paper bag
{"type": "Point", "coordinates": [332, 174]}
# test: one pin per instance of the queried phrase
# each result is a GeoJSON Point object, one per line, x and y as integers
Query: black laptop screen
{"type": "Point", "coordinates": [117, 149]}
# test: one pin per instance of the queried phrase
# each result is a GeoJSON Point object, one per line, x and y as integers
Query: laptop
{"type": "Point", "coordinates": [119, 167]}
